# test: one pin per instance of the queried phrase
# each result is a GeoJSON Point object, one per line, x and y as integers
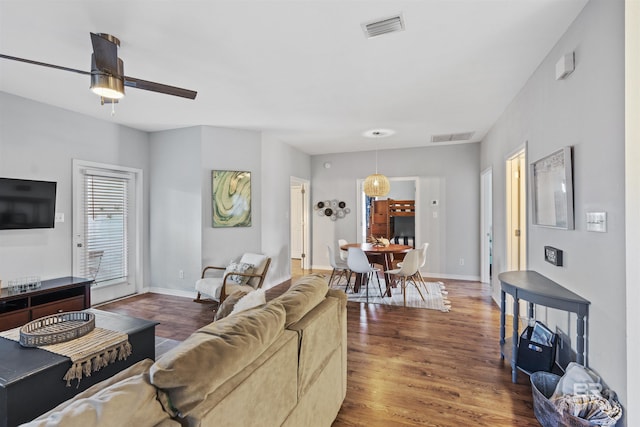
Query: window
{"type": "Point", "coordinates": [105, 206]}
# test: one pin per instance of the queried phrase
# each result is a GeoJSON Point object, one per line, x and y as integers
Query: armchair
{"type": "Point", "coordinates": [247, 274]}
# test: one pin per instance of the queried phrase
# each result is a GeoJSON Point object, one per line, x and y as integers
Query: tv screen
{"type": "Point", "coordinates": [26, 204]}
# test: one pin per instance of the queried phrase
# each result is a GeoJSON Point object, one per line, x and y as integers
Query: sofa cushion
{"type": "Point", "coordinates": [215, 353]}
{"type": "Point", "coordinates": [303, 296]}
{"type": "Point", "coordinates": [132, 401]}
{"type": "Point", "coordinates": [227, 305]}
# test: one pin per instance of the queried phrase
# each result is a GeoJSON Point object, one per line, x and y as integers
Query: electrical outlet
{"type": "Point", "coordinates": [181, 274]}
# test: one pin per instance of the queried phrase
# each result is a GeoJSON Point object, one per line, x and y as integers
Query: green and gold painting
{"type": "Point", "coordinates": [231, 198]}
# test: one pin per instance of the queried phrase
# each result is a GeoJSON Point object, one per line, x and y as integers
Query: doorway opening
{"type": "Point", "coordinates": [404, 191]}
{"type": "Point", "coordinates": [516, 202]}
{"type": "Point", "coordinates": [299, 223]}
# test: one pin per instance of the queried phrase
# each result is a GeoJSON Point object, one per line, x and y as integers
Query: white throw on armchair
{"type": "Point", "coordinates": [248, 274]}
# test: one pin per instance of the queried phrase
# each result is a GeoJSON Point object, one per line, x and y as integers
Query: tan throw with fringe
{"type": "Point", "coordinates": [89, 353]}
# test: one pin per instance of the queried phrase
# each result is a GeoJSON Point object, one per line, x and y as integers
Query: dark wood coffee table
{"type": "Point", "coordinates": [31, 379]}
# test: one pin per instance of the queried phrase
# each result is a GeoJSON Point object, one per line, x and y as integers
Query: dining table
{"type": "Point", "coordinates": [380, 255]}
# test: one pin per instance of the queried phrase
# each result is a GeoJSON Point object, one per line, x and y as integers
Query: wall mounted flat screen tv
{"type": "Point", "coordinates": [27, 204]}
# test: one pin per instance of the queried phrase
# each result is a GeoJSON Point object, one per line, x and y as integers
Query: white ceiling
{"type": "Point", "coordinates": [302, 70]}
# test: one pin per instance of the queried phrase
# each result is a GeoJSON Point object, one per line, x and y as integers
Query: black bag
{"type": "Point", "coordinates": [533, 356]}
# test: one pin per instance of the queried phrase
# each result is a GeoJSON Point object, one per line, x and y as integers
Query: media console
{"type": "Point", "coordinates": [53, 296]}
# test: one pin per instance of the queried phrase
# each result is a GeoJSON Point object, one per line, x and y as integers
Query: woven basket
{"type": "Point", "coordinates": [543, 384]}
{"type": "Point", "coordinates": [57, 328]}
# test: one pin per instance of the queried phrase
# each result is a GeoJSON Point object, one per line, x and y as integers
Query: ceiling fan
{"type": "Point", "coordinates": [107, 72]}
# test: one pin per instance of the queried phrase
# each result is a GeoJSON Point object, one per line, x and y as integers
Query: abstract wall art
{"type": "Point", "coordinates": [231, 198]}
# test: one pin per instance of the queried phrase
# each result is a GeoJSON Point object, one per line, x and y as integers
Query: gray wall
{"type": "Point", "coordinates": [449, 174]}
{"type": "Point", "coordinates": [38, 141]}
{"type": "Point", "coordinates": [176, 208]}
{"type": "Point", "coordinates": [586, 111]}
{"type": "Point", "coordinates": [280, 162]}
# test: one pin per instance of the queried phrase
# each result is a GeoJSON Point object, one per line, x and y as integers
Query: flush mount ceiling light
{"type": "Point", "coordinates": [378, 27]}
{"type": "Point", "coordinates": [378, 133]}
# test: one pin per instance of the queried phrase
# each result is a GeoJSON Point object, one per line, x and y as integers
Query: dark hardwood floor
{"type": "Point", "coordinates": [406, 366]}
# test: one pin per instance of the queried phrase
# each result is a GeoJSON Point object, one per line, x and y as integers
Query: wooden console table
{"type": "Point", "coordinates": [53, 296]}
{"type": "Point", "coordinates": [537, 289]}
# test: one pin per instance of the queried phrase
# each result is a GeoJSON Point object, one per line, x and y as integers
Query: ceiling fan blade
{"type": "Point", "coordinates": [105, 52]}
{"type": "Point", "coordinates": [44, 64]}
{"type": "Point", "coordinates": [158, 87]}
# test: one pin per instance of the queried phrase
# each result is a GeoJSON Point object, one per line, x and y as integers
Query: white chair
{"type": "Point", "coordinates": [340, 269]}
{"type": "Point", "coordinates": [408, 271]}
{"type": "Point", "coordinates": [233, 277]}
{"type": "Point", "coordinates": [422, 262]}
{"type": "Point", "coordinates": [359, 264]}
{"type": "Point", "coordinates": [343, 254]}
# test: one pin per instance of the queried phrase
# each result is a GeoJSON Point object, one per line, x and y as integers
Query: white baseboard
{"type": "Point", "coordinates": [451, 276]}
{"type": "Point", "coordinates": [172, 292]}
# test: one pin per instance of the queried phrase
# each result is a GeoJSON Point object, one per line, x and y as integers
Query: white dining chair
{"type": "Point", "coordinates": [408, 272]}
{"type": "Point", "coordinates": [343, 254]}
{"type": "Point", "coordinates": [340, 269]}
{"type": "Point", "coordinates": [422, 262]}
{"type": "Point", "coordinates": [359, 264]}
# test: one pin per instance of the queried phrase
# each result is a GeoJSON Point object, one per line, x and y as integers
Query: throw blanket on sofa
{"type": "Point", "coordinates": [89, 353]}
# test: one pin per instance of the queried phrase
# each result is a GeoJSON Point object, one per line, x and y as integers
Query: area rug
{"type": "Point", "coordinates": [435, 296]}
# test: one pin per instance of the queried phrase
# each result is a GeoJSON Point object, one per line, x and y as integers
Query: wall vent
{"type": "Point", "coordinates": [450, 137]}
{"type": "Point", "coordinates": [382, 26]}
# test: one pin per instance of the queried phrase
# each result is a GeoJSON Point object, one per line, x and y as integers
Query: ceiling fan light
{"type": "Point", "coordinates": [107, 86]}
{"type": "Point", "coordinates": [376, 185]}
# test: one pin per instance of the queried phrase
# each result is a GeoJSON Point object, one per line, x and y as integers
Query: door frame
{"type": "Point", "coordinates": [361, 230]}
{"type": "Point", "coordinates": [137, 252]}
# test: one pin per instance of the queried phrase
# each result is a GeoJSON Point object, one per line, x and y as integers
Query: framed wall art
{"type": "Point", "coordinates": [552, 190]}
{"type": "Point", "coordinates": [231, 198]}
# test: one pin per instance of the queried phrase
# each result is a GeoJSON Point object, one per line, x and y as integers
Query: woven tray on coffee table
{"type": "Point", "coordinates": [57, 328]}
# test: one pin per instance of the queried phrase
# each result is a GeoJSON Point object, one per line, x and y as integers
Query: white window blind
{"type": "Point", "coordinates": [106, 212]}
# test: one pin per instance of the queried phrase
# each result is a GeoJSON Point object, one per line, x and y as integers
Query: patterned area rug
{"type": "Point", "coordinates": [434, 293]}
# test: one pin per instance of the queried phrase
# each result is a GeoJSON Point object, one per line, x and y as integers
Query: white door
{"type": "Point", "coordinates": [516, 212]}
{"type": "Point", "coordinates": [487, 226]}
{"type": "Point", "coordinates": [105, 229]}
{"type": "Point", "coordinates": [299, 221]}
{"type": "Point", "coordinates": [296, 221]}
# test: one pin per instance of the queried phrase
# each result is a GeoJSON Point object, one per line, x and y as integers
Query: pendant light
{"type": "Point", "coordinates": [376, 185]}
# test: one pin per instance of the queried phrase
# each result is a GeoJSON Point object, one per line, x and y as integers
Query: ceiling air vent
{"type": "Point", "coordinates": [450, 137]}
{"type": "Point", "coordinates": [383, 26]}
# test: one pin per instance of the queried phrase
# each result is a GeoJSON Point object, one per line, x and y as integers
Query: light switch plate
{"type": "Point", "coordinates": [597, 221]}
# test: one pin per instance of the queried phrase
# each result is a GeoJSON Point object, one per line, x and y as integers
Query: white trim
{"type": "Point", "coordinates": [632, 207]}
{"type": "Point", "coordinates": [427, 275]}
{"type": "Point", "coordinates": [171, 292]}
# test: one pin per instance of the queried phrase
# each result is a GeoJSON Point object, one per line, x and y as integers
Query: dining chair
{"type": "Point", "coordinates": [408, 272]}
{"type": "Point", "coordinates": [422, 258]}
{"type": "Point", "coordinates": [359, 263]}
{"type": "Point", "coordinates": [340, 269]}
{"type": "Point", "coordinates": [343, 254]}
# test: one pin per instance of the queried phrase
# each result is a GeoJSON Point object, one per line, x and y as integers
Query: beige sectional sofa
{"type": "Point", "coordinates": [280, 364]}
